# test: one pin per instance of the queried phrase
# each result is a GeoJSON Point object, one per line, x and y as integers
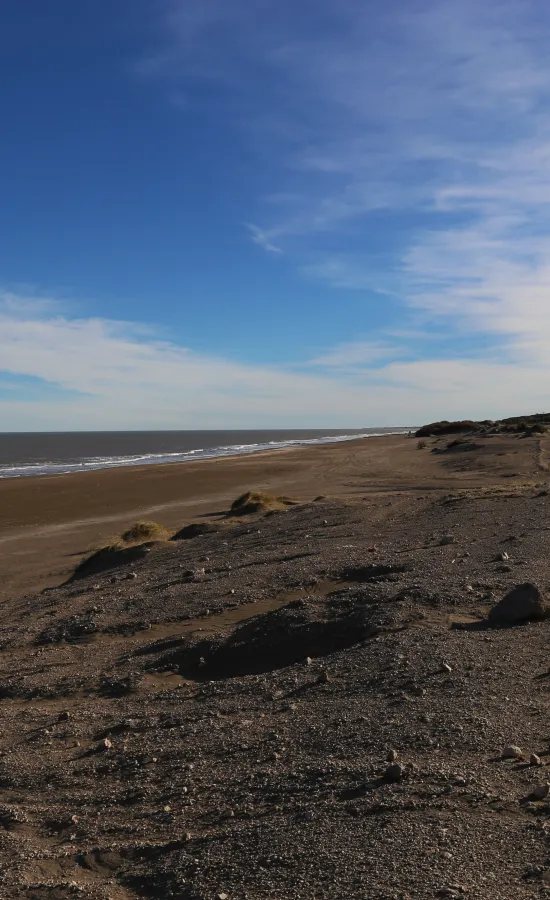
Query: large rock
{"type": "Point", "coordinates": [522, 604]}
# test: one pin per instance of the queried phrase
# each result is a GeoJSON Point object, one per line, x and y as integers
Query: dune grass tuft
{"type": "Point", "coordinates": [144, 531]}
{"type": "Point", "coordinates": [258, 501]}
{"type": "Point", "coordinates": [122, 548]}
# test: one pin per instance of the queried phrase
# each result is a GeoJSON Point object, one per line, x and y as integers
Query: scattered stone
{"type": "Point", "coordinates": [394, 772]}
{"type": "Point", "coordinates": [308, 661]}
{"type": "Point", "coordinates": [323, 678]}
{"type": "Point", "coordinates": [511, 752]}
{"type": "Point", "coordinates": [502, 557]}
{"type": "Point", "coordinates": [392, 756]}
{"type": "Point", "coordinates": [535, 760]}
{"type": "Point", "coordinates": [541, 791]}
{"type": "Point", "coordinates": [445, 667]}
{"type": "Point", "coordinates": [64, 716]}
{"type": "Point", "coordinates": [533, 871]}
{"type": "Point", "coordinates": [522, 604]}
{"type": "Point", "coordinates": [106, 744]}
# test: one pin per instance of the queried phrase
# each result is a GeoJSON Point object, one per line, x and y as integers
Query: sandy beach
{"type": "Point", "coordinates": [48, 523]}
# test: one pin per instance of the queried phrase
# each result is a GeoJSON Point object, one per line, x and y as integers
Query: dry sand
{"type": "Point", "coordinates": [48, 523]}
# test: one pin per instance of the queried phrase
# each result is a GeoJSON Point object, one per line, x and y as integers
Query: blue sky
{"type": "Point", "coordinates": [270, 213]}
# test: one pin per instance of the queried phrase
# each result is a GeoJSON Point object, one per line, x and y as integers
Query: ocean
{"type": "Point", "coordinates": [57, 453]}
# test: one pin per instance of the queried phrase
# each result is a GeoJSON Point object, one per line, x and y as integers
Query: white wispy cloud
{"type": "Point", "coordinates": [354, 355]}
{"type": "Point", "coordinates": [262, 238]}
{"type": "Point", "coordinates": [436, 110]}
{"type": "Point", "coordinates": [119, 375]}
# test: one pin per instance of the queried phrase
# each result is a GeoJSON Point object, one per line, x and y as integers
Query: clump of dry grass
{"type": "Point", "coordinates": [258, 501]}
{"type": "Point", "coordinates": [144, 531]}
{"type": "Point", "coordinates": [122, 548]}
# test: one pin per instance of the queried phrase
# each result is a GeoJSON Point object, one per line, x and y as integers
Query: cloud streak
{"type": "Point", "coordinates": [105, 374]}
{"type": "Point", "coordinates": [431, 112]}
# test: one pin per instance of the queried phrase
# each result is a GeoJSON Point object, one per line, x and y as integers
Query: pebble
{"type": "Point", "coordinates": [541, 791]}
{"type": "Point", "coordinates": [392, 756]}
{"type": "Point", "coordinates": [394, 772]}
{"type": "Point", "coordinates": [106, 744]}
{"type": "Point", "coordinates": [308, 661]}
{"type": "Point", "coordinates": [511, 752]}
{"type": "Point", "coordinates": [535, 760]}
{"type": "Point", "coordinates": [445, 667]}
{"type": "Point", "coordinates": [447, 539]}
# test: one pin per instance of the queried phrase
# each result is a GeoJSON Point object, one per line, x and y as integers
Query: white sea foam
{"type": "Point", "coordinates": [54, 467]}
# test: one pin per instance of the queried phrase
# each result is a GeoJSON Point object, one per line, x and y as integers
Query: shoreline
{"type": "Point", "coordinates": [162, 459]}
{"type": "Point", "coordinates": [48, 523]}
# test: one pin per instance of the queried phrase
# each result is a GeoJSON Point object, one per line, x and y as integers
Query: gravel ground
{"type": "Point", "coordinates": [304, 705]}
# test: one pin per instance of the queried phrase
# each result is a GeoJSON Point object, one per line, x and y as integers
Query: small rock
{"type": "Point", "coordinates": [541, 791]}
{"type": "Point", "coordinates": [308, 661]}
{"type": "Point", "coordinates": [533, 871]}
{"type": "Point", "coordinates": [522, 604]}
{"type": "Point", "coordinates": [392, 756]}
{"type": "Point", "coordinates": [131, 575]}
{"type": "Point", "coordinates": [394, 772]}
{"type": "Point", "coordinates": [447, 539]}
{"type": "Point", "coordinates": [63, 716]}
{"type": "Point", "coordinates": [323, 678]}
{"type": "Point", "coordinates": [445, 667]}
{"type": "Point", "coordinates": [106, 744]}
{"type": "Point", "coordinates": [502, 557]}
{"type": "Point", "coordinates": [511, 752]}
{"type": "Point", "coordinates": [535, 760]}
{"type": "Point", "coordinates": [223, 896]}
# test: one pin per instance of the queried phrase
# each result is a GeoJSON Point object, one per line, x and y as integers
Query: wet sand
{"type": "Point", "coordinates": [48, 523]}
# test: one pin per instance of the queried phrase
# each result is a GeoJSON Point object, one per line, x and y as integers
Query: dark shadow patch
{"type": "Point", "coordinates": [373, 573]}
{"type": "Point", "coordinates": [106, 559]}
{"type": "Point", "coordinates": [196, 529]}
{"type": "Point", "coordinates": [275, 640]}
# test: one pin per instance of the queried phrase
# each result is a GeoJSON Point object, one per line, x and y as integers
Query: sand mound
{"type": "Point", "coordinates": [125, 548]}
{"type": "Point", "coordinates": [144, 531]}
{"type": "Point", "coordinates": [258, 501]}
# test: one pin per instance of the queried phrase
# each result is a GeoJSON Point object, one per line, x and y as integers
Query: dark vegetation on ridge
{"type": "Point", "coordinates": [534, 424]}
